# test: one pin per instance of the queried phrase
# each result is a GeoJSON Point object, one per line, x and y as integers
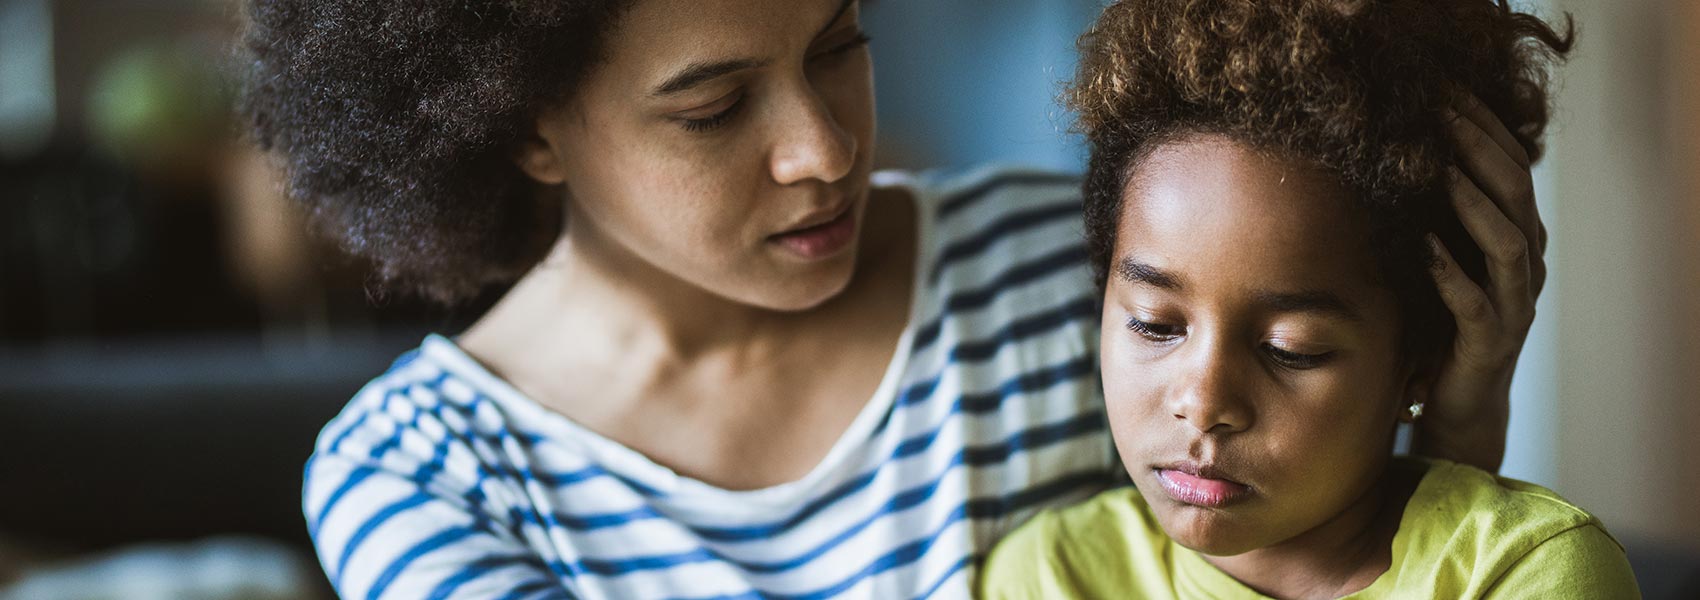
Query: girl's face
{"type": "Point", "coordinates": [1251, 363]}
{"type": "Point", "coordinates": [722, 143]}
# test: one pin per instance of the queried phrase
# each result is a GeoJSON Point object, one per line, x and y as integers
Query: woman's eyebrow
{"type": "Point", "coordinates": [699, 73]}
{"type": "Point", "coordinates": [702, 72]}
{"type": "Point", "coordinates": [836, 15]}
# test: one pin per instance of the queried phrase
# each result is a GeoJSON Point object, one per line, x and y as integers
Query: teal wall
{"type": "Point", "coordinates": [964, 82]}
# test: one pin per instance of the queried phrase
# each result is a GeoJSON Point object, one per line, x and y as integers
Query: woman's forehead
{"type": "Point", "coordinates": [656, 36]}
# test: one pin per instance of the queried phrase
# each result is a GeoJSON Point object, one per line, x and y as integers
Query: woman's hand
{"type": "Point", "coordinates": [1494, 196]}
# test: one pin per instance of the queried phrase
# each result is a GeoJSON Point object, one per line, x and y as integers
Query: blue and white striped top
{"type": "Point", "coordinates": [440, 480]}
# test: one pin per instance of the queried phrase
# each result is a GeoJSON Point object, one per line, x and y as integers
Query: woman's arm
{"type": "Point", "coordinates": [1493, 194]}
{"type": "Point", "coordinates": [388, 523]}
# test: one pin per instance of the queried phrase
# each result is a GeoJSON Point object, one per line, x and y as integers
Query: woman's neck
{"type": "Point", "coordinates": [729, 395]}
{"type": "Point", "coordinates": [591, 304]}
{"type": "Point", "coordinates": [1343, 555]}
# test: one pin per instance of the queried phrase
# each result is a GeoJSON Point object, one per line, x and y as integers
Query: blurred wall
{"type": "Point", "coordinates": [966, 82]}
{"type": "Point", "coordinates": [1623, 205]}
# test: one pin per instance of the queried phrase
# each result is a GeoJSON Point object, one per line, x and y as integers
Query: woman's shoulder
{"type": "Point", "coordinates": [962, 193]}
{"type": "Point", "coordinates": [428, 399]}
{"type": "Point", "coordinates": [999, 227]}
{"type": "Point", "coordinates": [1492, 533]}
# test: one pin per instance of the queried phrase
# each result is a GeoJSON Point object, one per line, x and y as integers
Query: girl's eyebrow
{"type": "Point", "coordinates": [1133, 271]}
{"type": "Point", "coordinates": [1306, 301]}
{"type": "Point", "coordinates": [1311, 301]}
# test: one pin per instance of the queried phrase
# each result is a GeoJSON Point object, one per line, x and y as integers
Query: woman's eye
{"type": "Point", "coordinates": [860, 41]}
{"type": "Point", "coordinates": [714, 121]}
{"type": "Point", "coordinates": [1155, 332]}
{"type": "Point", "coordinates": [1295, 360]}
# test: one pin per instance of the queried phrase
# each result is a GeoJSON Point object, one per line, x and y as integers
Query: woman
{"type": "Point", "coordinates": [731, 362]}
{"type": "Point", "coordinates": [1259, 200]}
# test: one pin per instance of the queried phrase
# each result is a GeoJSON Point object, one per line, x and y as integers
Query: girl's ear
{"type": "Point", "coordinates": [538, 154]}
{"type": "Point", "coordinates": [1419, 384]}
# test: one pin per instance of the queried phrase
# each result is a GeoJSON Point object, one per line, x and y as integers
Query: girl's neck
{"type": "Point", "coordinates": [1343, 555]}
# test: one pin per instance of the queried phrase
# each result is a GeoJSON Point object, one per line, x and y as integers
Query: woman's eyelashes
{"type": "Point", "coordinates": [714, 121]}
{"type": "Point", "coordinates": [857, 42]}
{"type": "Point", "coordinates": [720, 119]}
{"type": "Point", "coordinates": [1166, 334]}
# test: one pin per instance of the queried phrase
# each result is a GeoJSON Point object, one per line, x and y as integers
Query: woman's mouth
{"type": "Point", "coordinates": [1198, 485]}
{"type": "Point", "coordinates": [820, 241]}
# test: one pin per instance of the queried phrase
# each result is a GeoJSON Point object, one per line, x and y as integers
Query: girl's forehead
{"type": "Point", "coordinates": [1225, 213]}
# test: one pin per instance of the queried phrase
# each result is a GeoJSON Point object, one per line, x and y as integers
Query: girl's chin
{"type": "Point", "coordinates": [1206, 531]}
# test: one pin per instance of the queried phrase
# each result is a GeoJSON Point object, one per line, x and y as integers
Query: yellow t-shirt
{"type": "Point", "coordinates": [1464, 534]}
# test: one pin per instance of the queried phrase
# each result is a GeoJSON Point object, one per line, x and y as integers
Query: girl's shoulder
{"type": "Point", "coordinates": [1487, 534]}
{"type": "Point", "coordinates": [1110, 545]}
{"type": "Point", "coordinates": [1468, 501]}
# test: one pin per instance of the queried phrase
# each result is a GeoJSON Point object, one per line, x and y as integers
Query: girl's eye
{"type": "Point", "coordinates": [1295, 360]}
{"type": "Point", "coordinates": [1155, 332]}
{"type": "Point", "coordinates": [714, 121]}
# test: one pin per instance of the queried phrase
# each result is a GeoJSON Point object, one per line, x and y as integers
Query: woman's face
{"type": "Point", "coordinates": [1251, 363]}
{"type": "Point", "coordinates": [722, 143]}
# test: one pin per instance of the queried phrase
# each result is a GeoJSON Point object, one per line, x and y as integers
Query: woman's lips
{"type": "Point", "coordinates": [820, 241]}
{"type": "Point", "coordinates": [1188, 485]}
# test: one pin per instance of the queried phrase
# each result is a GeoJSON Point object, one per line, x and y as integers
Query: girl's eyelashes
{"type": "Point", "coordinates": [1295, 360]}
{"type": "Point", "coordinates": [714, 121]}
{"type": "Point", "coordinates": [1155, 332]}
{"type": "Point", "coordinates": [1164, 334]}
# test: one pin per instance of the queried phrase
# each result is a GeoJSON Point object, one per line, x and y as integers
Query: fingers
{"type": "Point", "coordinates": [1507, 251]}
{"type": "Point", "coordinates": [1538, 266]}
{"type": "Point", "coordinates": [1499, 168]}
{"type": "Point", "coordinates": [1504, 179]}
{"type": "Point", "coordinates": [1478, 325]}
{"type": "Point", "coordinates": [1470, 107]}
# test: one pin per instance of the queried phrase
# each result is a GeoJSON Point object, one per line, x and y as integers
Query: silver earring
{"type": "Point", "coordinates": [1416, 410]}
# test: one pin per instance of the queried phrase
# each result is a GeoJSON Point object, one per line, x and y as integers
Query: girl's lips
{"type": "Point", "coordinates": [1197, 490]}
{"type": "Point", "coordinates": [820, 241]}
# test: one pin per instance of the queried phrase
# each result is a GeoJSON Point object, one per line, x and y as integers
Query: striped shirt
{"type": "Point", "coordinates": [441, 480]}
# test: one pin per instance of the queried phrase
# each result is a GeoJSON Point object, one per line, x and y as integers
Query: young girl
{"type": "Point", "coordinates": [728, 361]}
{"type": "Point", "coordinates": [1267, 180]}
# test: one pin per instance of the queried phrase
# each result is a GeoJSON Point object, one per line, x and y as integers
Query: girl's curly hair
{"type": "Point", "coordinates": [1361, 87]}
{"type": "Point", "coordinates": [396, 122]}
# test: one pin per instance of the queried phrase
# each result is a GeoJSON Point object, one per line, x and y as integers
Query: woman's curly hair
{"type": "Point", "coordinates": [1360, 87]}
{"type": "Point", "coordinates": [396, 122]}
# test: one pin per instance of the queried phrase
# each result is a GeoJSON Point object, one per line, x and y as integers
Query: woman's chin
{"type": "Point", "coordinates": [803, 291]}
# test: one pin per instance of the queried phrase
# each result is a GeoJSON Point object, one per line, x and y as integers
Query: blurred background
{"type": "Point", "coordinates": [171, 338]}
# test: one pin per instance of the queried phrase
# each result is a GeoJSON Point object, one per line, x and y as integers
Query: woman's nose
{"type": "Point", "coordinates": [811, 144]}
